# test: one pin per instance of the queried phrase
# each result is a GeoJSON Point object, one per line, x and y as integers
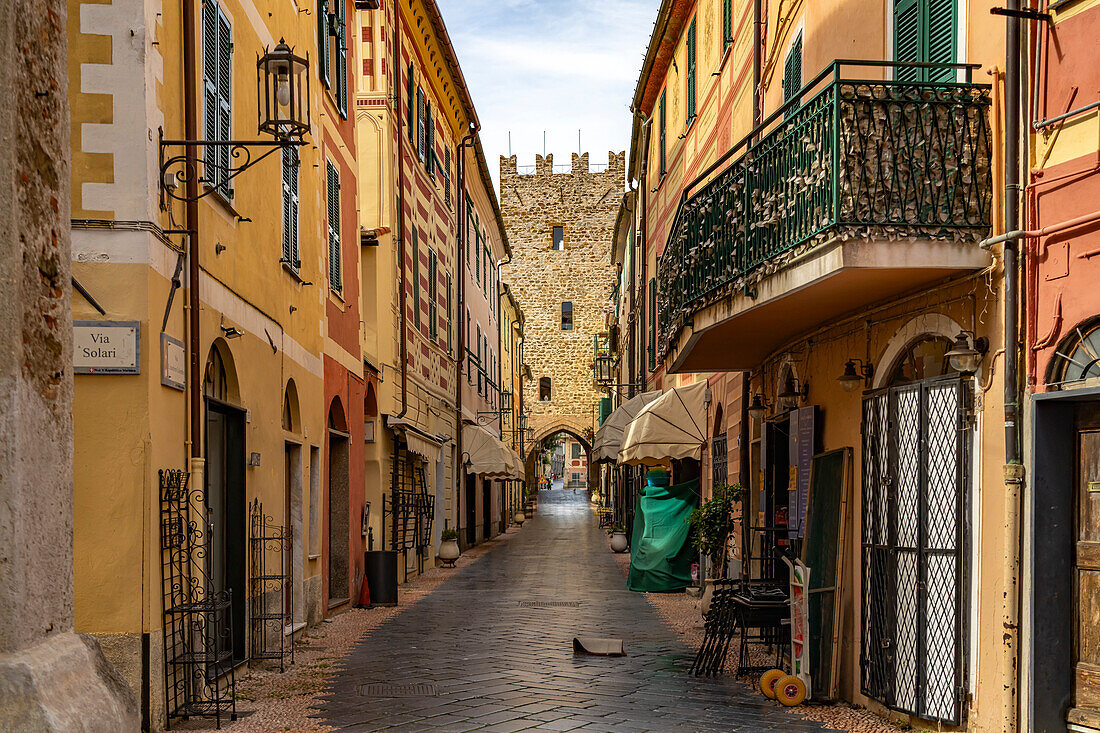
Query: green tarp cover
{"type": "Point", "coordinates": [660, 554]}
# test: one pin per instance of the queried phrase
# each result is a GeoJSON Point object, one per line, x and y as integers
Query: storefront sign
{"type": "Point", "coordinates": [173, 363]}
{"type": "Point", "coordinates": [106, 347]}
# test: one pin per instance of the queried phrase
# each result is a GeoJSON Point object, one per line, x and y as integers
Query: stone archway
{"type": "Point", "coordinates": [575, 427]}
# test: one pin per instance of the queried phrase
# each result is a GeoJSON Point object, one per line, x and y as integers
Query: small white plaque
{"type": "Point", "coordinates": [106, 347]}
{"type": "Point", "coordinates": [173, 363]}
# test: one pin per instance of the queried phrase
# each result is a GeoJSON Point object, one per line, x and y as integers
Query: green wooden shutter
{"type": "Point", "coordinates": [449, 315]}
{"type": "Point", "coordinates": [652, 324]}
{"type": "Point", "coordinates": [430, 136]}
{"type": "Point", "coordinates": [210, 89]}
{"type": "Point", "coordinates": [416, 277]}
{"type": "Point", "coordinates": [485, 283]}
{"type": "Point", "coordinates": [942, 36]}
{"type": "Point", "coordinates": [290, 208]}
{"type": "Point", "coordinates": [691, 75]}
{"type": "Point", "coordinates": [334, 250]}
{"type": "Point", "coordinates": [926, 31]}
{"type": "Point", "coordinates": [433, 316]}
{"type": "Point", "coordinates": [225, 100]}
{"type": "Point", "coordinates": [907, 38]}
{"type": "Point", "coordinates": [447, 175]}
{"type": "Point", "coordinates": [324, 63]}
{"type": "Point", "coordinates": [727, 24]}
{"type": "Point", "coordinates": [792, 73]}
{"type": "Point", "coordinates": [421, 125]}
{"type": "Point", "coordinates": [342, 57]}
{"type": "Point", "coordinates": [412, 108]}
{"type": "Point", "coordinates": [661, 133]}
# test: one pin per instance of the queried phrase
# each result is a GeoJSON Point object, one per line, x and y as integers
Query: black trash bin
{"type": "Point", "coordinates": [381, 576]}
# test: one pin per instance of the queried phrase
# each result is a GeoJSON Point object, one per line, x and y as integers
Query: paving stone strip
{"type": "Point", "coordinates": [495, 643]}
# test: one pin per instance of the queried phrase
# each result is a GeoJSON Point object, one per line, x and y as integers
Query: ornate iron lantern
{"type": "Point", "coordinates": [283, 89]}
{"type": "Point", "coordinates": [605, 370]}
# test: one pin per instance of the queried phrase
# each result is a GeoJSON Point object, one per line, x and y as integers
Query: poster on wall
{"type": "Point", "coordinates": [802, 442]}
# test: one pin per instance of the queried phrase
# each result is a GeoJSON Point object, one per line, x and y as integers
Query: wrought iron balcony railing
{"type": "Point", "coordinates": [845, 158]}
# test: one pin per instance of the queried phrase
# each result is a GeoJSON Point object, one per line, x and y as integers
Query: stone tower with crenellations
{"type": "Point", "coordinates": [583, 202]}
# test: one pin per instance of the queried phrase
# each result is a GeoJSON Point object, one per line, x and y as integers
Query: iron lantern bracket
{"type": "Point", "coordinates": [177, 166]}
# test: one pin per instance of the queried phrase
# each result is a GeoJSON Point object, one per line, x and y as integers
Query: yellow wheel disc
{"type": "Point", "coordinates": [768, 680]}
{"type": "Point", "coordinates": [790, 691]}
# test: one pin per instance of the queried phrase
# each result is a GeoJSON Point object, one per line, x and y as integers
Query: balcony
{"type": "Point", "coordinates": [852, 192]}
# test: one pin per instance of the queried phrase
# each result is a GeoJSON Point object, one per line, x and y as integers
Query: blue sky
{"type": "Point", "coordinates": [552, 65]}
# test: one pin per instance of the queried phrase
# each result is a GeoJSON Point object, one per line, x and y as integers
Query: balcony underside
{"type": "Point", "coordinates": [830, 282]}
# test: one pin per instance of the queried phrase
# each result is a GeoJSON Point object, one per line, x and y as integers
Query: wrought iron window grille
{"type": "Point", "coordinates": [271, 587]}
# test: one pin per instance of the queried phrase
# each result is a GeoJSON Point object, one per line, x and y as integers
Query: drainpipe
{"type": "Point", "coordinates": [643, 247]}
{"type": "Point", "coordinates": [402, 297]}
{"type": "Point", "coordinates": [1013, 470]}
{"type": "Point", "coordinates": [191, 132]}
{"type": "Point", "coordinates": [460, 194]}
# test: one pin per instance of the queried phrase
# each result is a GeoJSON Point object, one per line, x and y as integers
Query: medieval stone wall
{"type": "Point", "coordinates": [584, 203]}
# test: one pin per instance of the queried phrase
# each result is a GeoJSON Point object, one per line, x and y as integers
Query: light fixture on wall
{"type": "Point", "coordinates": [966, 353]}
{"type": "Point", "coordinates": [793, 392]}
{"type": "Point", "coordinates": [232, 332]}
{"type": "Point", "coordinates": [758, 408]}
{"type": "Point", "coordinates": [852, 378]}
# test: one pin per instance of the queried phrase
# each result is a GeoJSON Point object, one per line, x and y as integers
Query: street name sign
{"type": "Point", "coordinates": [107, 347]}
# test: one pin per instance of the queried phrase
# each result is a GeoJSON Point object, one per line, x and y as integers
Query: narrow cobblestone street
{"type": "Point", "coordinates": [490, 650]}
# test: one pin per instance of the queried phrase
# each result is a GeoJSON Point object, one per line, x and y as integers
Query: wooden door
{"type": "Point", "coordinates": [1087, 673]}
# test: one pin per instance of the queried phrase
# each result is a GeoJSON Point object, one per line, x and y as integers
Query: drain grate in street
{"type": "Point", "coordinates": [384, 690]}
{"type": "Point", "coordinates": [549, 604]}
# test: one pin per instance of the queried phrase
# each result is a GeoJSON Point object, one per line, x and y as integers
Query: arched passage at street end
{"type": "Point", "coordinates": [575, 428]}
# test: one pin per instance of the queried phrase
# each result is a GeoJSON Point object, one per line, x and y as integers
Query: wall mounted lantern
{"type": "Point", "coordinates": [793, 392]}
{"type": "Point", "coordinates": [966, 353]}
{"type": "Point", "coordinates": [852, 378]}
{"type": "Point", "coordinates": [605, 370]}
{"type": "Point", "coordinates": [283, 104]}
{"type": "Point", "coordinates": [758, 408]}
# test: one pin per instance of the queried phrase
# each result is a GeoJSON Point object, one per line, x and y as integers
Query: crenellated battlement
{"type": "Point", "coordinates": [579, 165]}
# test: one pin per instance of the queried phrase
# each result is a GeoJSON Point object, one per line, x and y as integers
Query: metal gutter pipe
{"type": "Point", "coordinates": [1045, 231]}
{"type": "Point", "coordinates": [402, 297]}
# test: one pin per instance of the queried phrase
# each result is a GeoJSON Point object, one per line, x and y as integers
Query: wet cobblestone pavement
{"type": "Point", "coordinates": [490, 650]}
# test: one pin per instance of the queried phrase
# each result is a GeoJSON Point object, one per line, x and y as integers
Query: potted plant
{"type": "Point", "coordinates": [448, 548]}
{"type": "Point", "coordinates": [619, 543]}
{"type": "Point", "coordinates": [712, 524]}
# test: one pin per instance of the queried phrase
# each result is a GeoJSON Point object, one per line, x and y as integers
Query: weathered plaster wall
{"type": "Point", "coordinates": [584, 203]}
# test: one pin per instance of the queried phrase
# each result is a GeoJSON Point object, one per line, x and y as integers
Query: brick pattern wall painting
{"type": "Point", "coordinates": [568, 269]}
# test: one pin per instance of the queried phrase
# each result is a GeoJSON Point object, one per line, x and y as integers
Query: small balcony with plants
{"type": "Point", "coordinates": [856, 190]}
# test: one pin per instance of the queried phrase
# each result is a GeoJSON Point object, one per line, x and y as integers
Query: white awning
{"type": "Point", "coordinates": [521, 469]}
{"type": "Point", "coordinates": [609, 437]}
{"type": "Point", "coordinates": [484, 454]}
{"type": "Point", "coordinates": [417, 441]}
{"type": "Point", "coordinates": [672, 426]}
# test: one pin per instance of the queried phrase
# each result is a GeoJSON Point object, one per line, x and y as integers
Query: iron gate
{"type": "Point", "coordinates": [916, 450]}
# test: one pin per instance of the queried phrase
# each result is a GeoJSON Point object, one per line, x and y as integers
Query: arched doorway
{"type": "Point", "coordinates": [292, 500]}
{"type": "Point", "coordinates": [224, 452]}
{"type": "Point", "coordinates": [339, 538]}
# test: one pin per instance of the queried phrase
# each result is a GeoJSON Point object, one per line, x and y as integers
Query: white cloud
{"type": "Point", "coordinates": [553, 65]}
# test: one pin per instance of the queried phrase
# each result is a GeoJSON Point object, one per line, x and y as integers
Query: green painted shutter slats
{"type": "Point", "coordinates": [727, 24]}
{"type": "Point", "coordinates": [941, 38]}
{"type": "Point", "coordinates": [430, 162]}
{"type": "Point", "coordinates": [792, 73]}
{"type": "Point", "coordinates": [652, 324]}
{"type": "Point", "coordinates": [324, 63]}
{"type": "Point", "coordinates": [449, 308]}
{"type": "Point", "coordinates": [661, 133]}
{"type": "Point", "coordinates": [416, 277]}
{"type": "Point", "coordinates": [334, 264]}
{"type": "Point", "coordinates": [447, 176]}
{"type": "Point", "coordinates": [342, 57]}
{"type": "Point", "coordinates": [907, 37]}
{"type": "Point", "coordinates": [692, 82]}
{"type": "Point", "coordinates": [291, 254]}
{"type": "Point", "coordinates": [421, 125]}
{"type": "Point", "coordinates": [217, 73]}
{"type": "Point", "coordinates": [925, 31]}
{"type": "Point", "coordinates": [412, 108]}
{"type": "Point", "coordinates": [433, 295]}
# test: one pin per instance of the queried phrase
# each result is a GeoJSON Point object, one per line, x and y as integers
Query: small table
{"type": "Point", "coordinates": [766, 609]}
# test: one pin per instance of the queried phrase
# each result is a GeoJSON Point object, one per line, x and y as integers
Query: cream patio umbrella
{"type": "Point", "coordinates": [609, 437]}
{"type": "Point", "coordinates": [520, 468]}
{"type": "Point", "coordinates": [672, 426]}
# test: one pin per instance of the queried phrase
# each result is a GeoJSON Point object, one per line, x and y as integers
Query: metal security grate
{"type": "Point", "coordinates": [384, 690]}
{"type": "Point", "coordinates": [916, 445]}
{"type": "Point", "coordinates": [549, 604]}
